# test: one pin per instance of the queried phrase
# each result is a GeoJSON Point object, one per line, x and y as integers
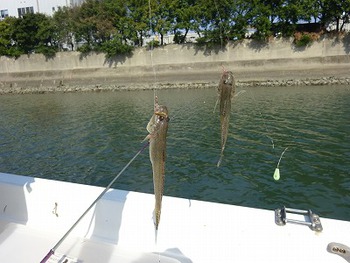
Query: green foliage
{"type": "Point", "coordinates": [85, 48]}
{"type": "Point", "coordinates": [263, 28]}
{"type": "Point", "coordinates": [261, 18]}
{"type": "Point", "coordinates": [64, 25]}
{"type": "Point", "coordinates": [162, 17]}
{"type": "Point", "coordinates": [303, 40]}
{"type": "Point", "coordinates": [115, 47]}
{"type": "Point", "coordinates": [47, 51]}
{"type": "Point", "coordinates": [115, 26]}
{"type": "Point", "coordinates": [33, 33]}
{"type": "Point", "coordinates": [138, 20]}
{"type": "Point", "coordinates": [334, 11]}
{"type": "Point", "coordinates": [179, 38]}
{"type": "Point", "coordinates": [185, 19]}
{"type": "Point", "coordinates": [153, 44]}
{"type": "Point", "coordinates": [6, 31]}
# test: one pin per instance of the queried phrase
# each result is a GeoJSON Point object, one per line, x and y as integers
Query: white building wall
{"type": "Point", "coordinates": [333, 26]}
{"type": "Point", "coordinates": [47, 7]}
{"type": "Point", "coordinates": [13, 5]}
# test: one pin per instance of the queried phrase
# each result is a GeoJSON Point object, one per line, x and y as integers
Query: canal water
{"type": "Point", "coordinates": [89, 137]}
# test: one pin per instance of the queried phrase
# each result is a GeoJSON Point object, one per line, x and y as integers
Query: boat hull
{"type": "Point", "coordinates": [35, 213]}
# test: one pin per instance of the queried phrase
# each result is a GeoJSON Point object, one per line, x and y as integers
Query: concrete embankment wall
{"type": "Point", "coordinates": [249, 60]}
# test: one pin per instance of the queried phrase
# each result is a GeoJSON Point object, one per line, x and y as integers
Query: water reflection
{"type": "Point", "coordinates": [88, 137]}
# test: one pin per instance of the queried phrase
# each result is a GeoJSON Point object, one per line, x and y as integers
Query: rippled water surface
{"type": "Point", "coordinates": [89, 137]}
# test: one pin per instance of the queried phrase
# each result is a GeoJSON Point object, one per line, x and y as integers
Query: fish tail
{"type": "Point", "coordinates": [220, 160]}
{"type": "Point", "coordinates": [215, 105]}
{"type": "Point", "coordinates": [156, 218]}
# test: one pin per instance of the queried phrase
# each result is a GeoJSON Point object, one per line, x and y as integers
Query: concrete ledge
{"type": "Point", "coordinates": [242, 67]}
{"type": "Point", "coordinates": [178, 66]}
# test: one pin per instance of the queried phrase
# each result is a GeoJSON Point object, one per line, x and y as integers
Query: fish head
{"type": "Point", "coordinates": [159, 119]}
{"type": "Point", "coordinates": [227, 78]}
{"type": "Point", "coordinates": [161, 115]}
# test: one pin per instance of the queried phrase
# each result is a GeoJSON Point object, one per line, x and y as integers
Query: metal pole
{"type": "Point", "coordinates": [52, 251]}
{"type": "Point", "coordinates": [37, 5]}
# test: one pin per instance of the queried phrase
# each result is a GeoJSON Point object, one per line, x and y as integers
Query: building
{"type": "Point", "coordinates": [18, 8]}
{"type": "Point", "coordinates": [344, 25]}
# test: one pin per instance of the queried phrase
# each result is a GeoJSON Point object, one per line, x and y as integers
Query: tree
{"type": "Point", "coordinates": [92, 25]}
{"type": "Point", "coordinates": [115, 26]}
{"type": "Point", "coordinates": [103, 26]}
{"type": "Point", "coordinates": [289, 13]}
{"type": "Point", "coordinates": [262, 17]}
{"type": "Point", "coordinates": [64, 26]}
{"type": "Point", "coordinates": [138, 12]}
{"type": "Point", "coordinates": [46, 37]}
{"type": "Point", "coordinates": [185, 19]}
{"type": "Point", "coordinates": [241, 13]}
{"type": "Point", "coordinates": [337, 11]}
{"type": "Point", "coordinates": [120, 40]}
{"type": "Point", "coordinates": [6, 43]}
{"type": "Point", "coordinates": [162, 17]}
{"type": "Point", "coordinates": [35, 33]}
{"type": "Point", "coordinates": [216, 21]}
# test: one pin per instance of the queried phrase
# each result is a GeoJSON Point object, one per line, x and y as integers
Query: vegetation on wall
{"type": "Point", "coordinates": [115, 27]}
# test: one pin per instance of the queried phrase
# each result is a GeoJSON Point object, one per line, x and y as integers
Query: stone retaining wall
{"type": "Point", "coordinates": [252, 63]}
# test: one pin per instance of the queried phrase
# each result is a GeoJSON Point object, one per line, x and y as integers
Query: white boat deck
{"type": "Point", "coordinates": [36, 213]}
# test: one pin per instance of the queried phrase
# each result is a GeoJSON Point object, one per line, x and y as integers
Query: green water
{"type": "Point", "coordinates": [89, 137]}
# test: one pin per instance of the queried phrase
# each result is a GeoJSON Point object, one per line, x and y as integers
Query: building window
{"type": "Point", "coordinates": [4, 13]}
{"type": "Point", "coordinates": [25, 10]}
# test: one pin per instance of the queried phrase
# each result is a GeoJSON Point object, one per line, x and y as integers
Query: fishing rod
{"type": "Point", "coordinates": [52, 250]}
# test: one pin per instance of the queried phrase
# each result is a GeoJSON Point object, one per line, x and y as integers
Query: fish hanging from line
{"type": "Point", "coordinates": [158, 128]}
{"type": "Point", "coordinates": [226, 91]}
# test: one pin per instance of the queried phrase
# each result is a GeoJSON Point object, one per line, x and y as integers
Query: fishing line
{"type": "Point", "coordinates": [154, 97]}
{"type": "Point", "coordinates": [52, 251]}
{"type": "Point", "coordinates": [242, 91]}
{"type": "Point", "coordinates": [238, 159]}
{"type": "Point", "coordinates": [276, 174]}
{"type": "Point", "coordinates": [264, 123]}
{"type": "Point", "coordinates": [151, 48]}
{"type": "Point", "coordinates": [217, 100]}
{"type": "Point", "coordinates": [220, 24]}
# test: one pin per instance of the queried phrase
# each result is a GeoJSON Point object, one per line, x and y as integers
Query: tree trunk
{"type": "Point", "coordinates": [337, 29]}
{"type": "Point", "coordinates": [183, 40]}
{"type": "Point", "coordinates": [141, 39]}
